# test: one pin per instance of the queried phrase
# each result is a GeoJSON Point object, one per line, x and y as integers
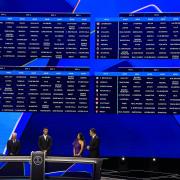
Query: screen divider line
{"type": "Point", "coordinates": [117, 95]}
{"type": "Point", "coordinates": [118, 42]}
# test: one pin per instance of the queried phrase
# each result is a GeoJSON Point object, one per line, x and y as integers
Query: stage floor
{"type": "Point", "coordinates": [108, 178]}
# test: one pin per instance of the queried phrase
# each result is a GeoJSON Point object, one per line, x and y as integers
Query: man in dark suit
{"type": "Point", "coordinates": [45, 142]}
{"type": "Point", "coordinates": [94, 144]}
{"type": "Point", "coordinates": [13, 145]}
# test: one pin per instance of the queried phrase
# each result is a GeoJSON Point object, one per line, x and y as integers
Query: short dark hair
{"type": "Point", "coordinates": [93, 130]}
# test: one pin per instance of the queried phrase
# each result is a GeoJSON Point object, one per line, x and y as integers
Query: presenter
{"type": "Point", "coordinates": [78, 145]}
{"type": "Point", "coordinates": [45, 142]}
{"type": "Point", "coordinates": [13, 145]}
{"type": "Point", "coordinates": [94, 144]}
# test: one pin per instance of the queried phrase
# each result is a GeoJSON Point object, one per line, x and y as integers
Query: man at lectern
{"type": "Point", "coordinates": [94, 144]}
{"type": "Point", "coordinates": [45, 142]}
{"type": "Point", "coordinates": [13, 145]}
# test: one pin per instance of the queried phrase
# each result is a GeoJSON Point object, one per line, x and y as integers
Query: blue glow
{"type": "Point", "coordinates": [129, 135]}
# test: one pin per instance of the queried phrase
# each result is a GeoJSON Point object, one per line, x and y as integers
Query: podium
{"type": "Point", "coordinates": [38, 159]}
{"type": "Point", "coordinates": [37, 165]}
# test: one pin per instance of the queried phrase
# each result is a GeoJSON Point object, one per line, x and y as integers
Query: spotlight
{"type": "Point", "coordinates": [123, 159]}
{"type": "Point", "coordinates": [154, 159]}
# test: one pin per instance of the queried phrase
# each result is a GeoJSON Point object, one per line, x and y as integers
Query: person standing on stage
{"type": "Point", "coordinates": [13, 146]}
{"type": "Point", "coordinates": [78, 145]}
{"type": "Point", "coordinates": [45, 142]}
{"type": "Point", "coordinates": [94, 144]}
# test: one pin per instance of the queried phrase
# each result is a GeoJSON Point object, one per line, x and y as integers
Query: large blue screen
{"type": "Point", "coordinates": [129, 135]}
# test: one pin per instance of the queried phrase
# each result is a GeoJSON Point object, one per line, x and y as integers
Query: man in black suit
{"type": "Point", "coordinates": [13, 145]}
{"type": "Point", "coordinates": [94, 144]}
{"type": "Point", "coordinates": [45, 142]}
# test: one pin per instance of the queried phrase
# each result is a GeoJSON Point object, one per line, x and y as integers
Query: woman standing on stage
{"type": "Point", "coordinates": [78, 145]}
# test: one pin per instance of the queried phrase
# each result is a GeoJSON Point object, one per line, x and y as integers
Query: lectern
{"type": "Point", "coordinates": [37, 165]}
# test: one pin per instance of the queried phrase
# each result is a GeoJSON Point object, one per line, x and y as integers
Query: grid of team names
{"type": "Point", "coordinates": [44, 89]}
{"type": "Point", "coordinates": [138, 36]}
{"type": "Point", "coordinates": [37, 35]}
{"type": "Point", "coordinates": [138, 91]}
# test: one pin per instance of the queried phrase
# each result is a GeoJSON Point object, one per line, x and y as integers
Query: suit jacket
{"type": "Point", "coordinates": [13, 148]}
{"type": "Point", "coordinates": [94, 147]}
{"type": "Point", "coordinates": [45, 144]}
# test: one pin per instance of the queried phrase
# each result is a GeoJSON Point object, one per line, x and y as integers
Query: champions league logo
{"type": "Point", "coordinates": [38, 160]}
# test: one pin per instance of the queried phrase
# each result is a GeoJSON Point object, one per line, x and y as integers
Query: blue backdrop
{"type": "Point", "coordinates": [121, 135]}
